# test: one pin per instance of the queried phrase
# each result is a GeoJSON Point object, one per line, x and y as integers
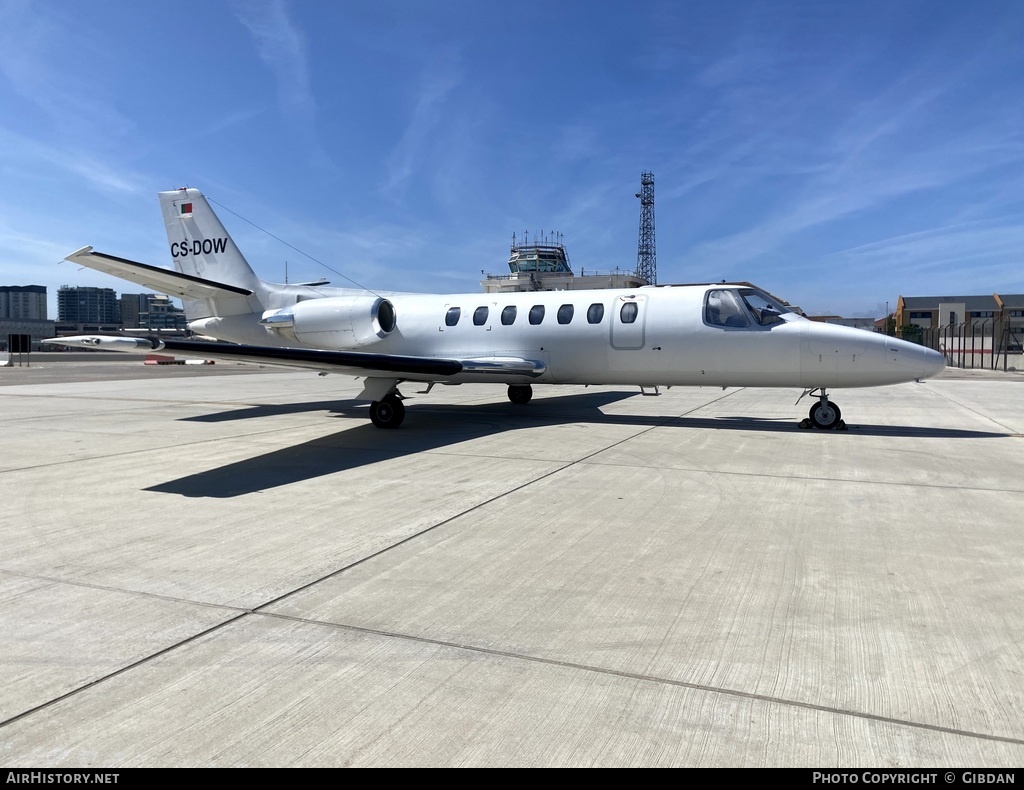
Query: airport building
{"type": "Point", "coordinates": [23, 312]}
{"type": "Point", "coordinates": [543, 265]}
{"type": "Point", "coordinates": [932, 312]}
{"type": "Point", "coordinates": [973, 331]}
{"type": "Point", "coordinates": [37, 330]}
{"type": "Point", "coordinates": [132, 306]}
{"type": "Point", "coordinates": [88, 305]}
{"type": "Point", "coordinates": [85, 311]}
{"type": "Point", "coordinates": [23, 302]}
{"type": "Point", "coordinates": [68, 328]}
{"type": "Point", "coordinates": [151, 311]}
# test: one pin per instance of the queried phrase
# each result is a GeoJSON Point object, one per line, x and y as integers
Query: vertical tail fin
{"type": "Point", "coordinates": [201, 246]}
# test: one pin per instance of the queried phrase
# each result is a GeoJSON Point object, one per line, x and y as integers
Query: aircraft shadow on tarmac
{"type": "Point", "coordinates": [267, 410]}
{"type": "Point", "coordinates": [430, 427]}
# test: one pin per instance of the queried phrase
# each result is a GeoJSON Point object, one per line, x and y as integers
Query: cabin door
{"type": "Point", "coordinates": [629, 318]}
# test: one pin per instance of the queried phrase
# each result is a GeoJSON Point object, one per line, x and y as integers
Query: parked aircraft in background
{"type": "Point", "coordinates": [722, 335]}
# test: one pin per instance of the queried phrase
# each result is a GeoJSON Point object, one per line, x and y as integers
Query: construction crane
{"type": "Point", "coordinates": [646, 257]}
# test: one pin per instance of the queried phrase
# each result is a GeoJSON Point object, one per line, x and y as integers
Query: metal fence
{"type": "Point", "coordinates": [993, 344]}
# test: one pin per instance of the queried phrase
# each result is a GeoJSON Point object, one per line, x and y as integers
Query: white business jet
{"type": "Point", "coordinates": [722, 335]}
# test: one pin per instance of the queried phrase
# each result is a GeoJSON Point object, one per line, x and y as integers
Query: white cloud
{"type": "Point", "coordinates": [435, 87]}
{"type": "Point", "coordinates": [282, 46]}
{"type": "Point", "coordinates": [36, 160]}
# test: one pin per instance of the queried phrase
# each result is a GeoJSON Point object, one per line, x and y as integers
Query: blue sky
{"type": "Point", "coordinates": [837, 153]}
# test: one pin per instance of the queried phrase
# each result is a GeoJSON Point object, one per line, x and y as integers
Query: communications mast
{"type": "Point", "coordinates": [646, 258]}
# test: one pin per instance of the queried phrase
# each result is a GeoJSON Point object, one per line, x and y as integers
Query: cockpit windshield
{"type": "Point", "coordinates": [741, 307]}
{"type": "Point", "coordinates": [764, 309]}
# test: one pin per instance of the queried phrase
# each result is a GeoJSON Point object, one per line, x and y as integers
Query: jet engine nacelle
{"type": "Point", "coordinates": [336, 322]}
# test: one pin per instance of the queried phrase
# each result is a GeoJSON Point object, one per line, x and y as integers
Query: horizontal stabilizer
{"type": "Point", "coordinates": [128, 345]}
{"type": "Point", "coordinates": [164, 281]}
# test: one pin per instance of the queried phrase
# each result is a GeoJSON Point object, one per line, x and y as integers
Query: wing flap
{"type": "Point", "coordinates": [165, 281]}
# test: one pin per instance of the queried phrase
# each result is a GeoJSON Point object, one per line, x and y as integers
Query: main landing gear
{"type": "Point", "coordinates": [824, 415]}
{"type": "Point", "coordinates": [388, 412]}
{"type": "Point", "coordinates": [520, 393]}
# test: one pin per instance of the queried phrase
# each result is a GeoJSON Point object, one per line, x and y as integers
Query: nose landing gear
{"type": "Point", "coordinates": [824, 415]}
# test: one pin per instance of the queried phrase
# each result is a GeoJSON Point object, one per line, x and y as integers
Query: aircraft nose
{"type": "Point", "coordinates": [935, 362]}
{"type": "Point", "coordinates": [922, 362]}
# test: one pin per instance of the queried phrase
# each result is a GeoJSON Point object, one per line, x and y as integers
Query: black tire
{"type": "Point", "coordinates": [825, 416]}
{"type": "Point", "coordinates": [388, 412]}
{"type": "Point", "coordinates": [520, 393]}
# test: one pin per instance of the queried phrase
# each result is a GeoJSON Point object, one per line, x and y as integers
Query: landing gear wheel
{"type": "Point", "coordinates": [825, 416]}
{"type": "Point", "coordinates": [520, 393]}
{"type": "Point", "coordinates": [388, 412]}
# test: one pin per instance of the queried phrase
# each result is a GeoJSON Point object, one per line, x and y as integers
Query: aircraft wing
{"type": "Point", "coordinates": [165, 281]}
{"type": "Point", "coordinates": [355, 363]}
{"type": "Point", "coordinates": [358, 362]}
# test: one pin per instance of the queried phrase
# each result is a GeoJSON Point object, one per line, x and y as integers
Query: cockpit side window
{"type": "Point", "coordinates": [723, 308]}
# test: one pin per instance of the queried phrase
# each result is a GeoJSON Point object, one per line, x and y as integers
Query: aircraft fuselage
{"type": "Point", "coordinates": [650, 336]}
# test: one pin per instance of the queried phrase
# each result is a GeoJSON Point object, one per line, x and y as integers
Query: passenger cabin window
{"type": "Point", "coordinates": [628, 312]}
{"type": "Point", "coordinates": [565, 313]}
{"type": "Point", "coordinates": [595, 313]}
{"type": "Point", "coordinates": [724, 309]}
{"type": "Point", "coordinates": [452, 317]}
{"type": "Point", "coordinates": [480, 316]}
{"type": "Point", "coordinates": [508, 315]}
{"type": "Point", "coordinates": [536, 314]}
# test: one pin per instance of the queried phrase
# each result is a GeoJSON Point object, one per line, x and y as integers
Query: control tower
{"type": "Point", "coordinates": [543, 265]}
